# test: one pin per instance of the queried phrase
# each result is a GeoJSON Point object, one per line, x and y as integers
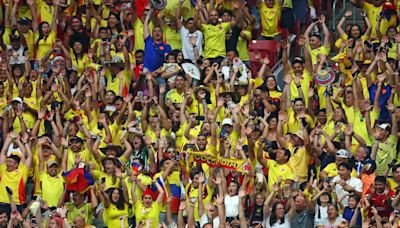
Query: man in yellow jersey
{"type": "Point", "coordinates": [270, 13]}
{"type": "Point", "coordinates": [384, 148]}
{"type": "Point", "coordinates": [278, 166]}
{"type": "Point", "coordinates": [300, 68]}
{"type": "Point", "coordinates": [14, 169]}
{"type": "Point", "coordinates": [299, 145]}
{"type": "Point", "coordinates": [314, 41]}
{"type": "Point", "coordinates": [214, 34]}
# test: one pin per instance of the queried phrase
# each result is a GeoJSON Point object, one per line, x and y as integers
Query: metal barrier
{"type": "Point", "coordinates": [341, 12]}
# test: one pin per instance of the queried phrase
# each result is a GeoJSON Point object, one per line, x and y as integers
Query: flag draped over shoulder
{"type": "Point", "coordinates": [78, 179]}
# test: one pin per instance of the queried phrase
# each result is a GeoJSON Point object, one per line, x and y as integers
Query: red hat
{"type": "Point", "coordinates": [148, 192]}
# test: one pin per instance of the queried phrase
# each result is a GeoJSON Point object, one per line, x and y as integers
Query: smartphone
{"type": "Point", "coordinates": [190, 145]}
{"type": "Point", "coordinates": [291, 38]}
{"type": "Point", "coordinates": [140, 95]}
{"type": "Point", "coordinates": [36, 65]}
{"type": "Point", "coordinates": [368, 166]}
{"type": "Point", "coordinates": [315, 19]}
{"type": "Point", "coordinates": [9, 191]}
{"type": "Point", "coordinates": [102, 81]}
{"type": "Point", "coordinates": [368, 44]}
{"type": "Point", "coordinates": [223, 134]}
{"type": "Point", "coordinates": [200, 118]}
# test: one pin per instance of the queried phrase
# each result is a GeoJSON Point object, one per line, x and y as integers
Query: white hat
{"type": "Point", "coordinates": [17, 99]}
{"type": "Point", "coordinates": [384, 126]}
{"type": "Point", "coordinates": [227, 121]}
{"type": "Point", "coordinates": [342, 153]}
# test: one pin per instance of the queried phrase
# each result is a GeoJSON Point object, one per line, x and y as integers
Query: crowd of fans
{"type": "Point", "coordinates": [140, 114]}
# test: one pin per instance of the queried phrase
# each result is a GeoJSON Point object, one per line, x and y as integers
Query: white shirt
{"type": "Point", "coordinates": [187, 49]}
{"type": "Point", "coordinates": [340, 192]}
{"type": "Point", "coordinates": [17, 56]}
{"type": "Point", "coordinates": [204, 220]}
{"type": "Point", "coordinates": [321, 213]}
{"type": "Point", "coordinates": [326, 223]}
{"type": "Point", "coordinates": [277, 224]}
{"type": "Point", "coordinates": [231, 206]}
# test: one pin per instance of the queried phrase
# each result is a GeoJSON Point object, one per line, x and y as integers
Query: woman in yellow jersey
{"type": "Point", "coordinates": [77, 58]}
{"type": "Point", "coordinates": [146, 208]}
{"type": "Point", "coordinates": [336, 118]}
{"type": "Point", "coordinates": [355, 32]}
{"type": "Point", "coordinates": [46, 34]}
{"type": "Point", "coordinates": [108, 176]}
{"type": "Point", "coordinates": [115, 202]}
{"type": "Point", "coordinates": [391, 42]}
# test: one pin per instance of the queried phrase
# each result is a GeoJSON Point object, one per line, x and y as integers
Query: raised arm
{"type": "Point", "coordinates": [55, 16]}
{"type": "Point", "coordinates": [146, 30]}
{"type": "Point", "coordinates": [178, 14]}
{"type": "Point", "coordinates": [339, 26]}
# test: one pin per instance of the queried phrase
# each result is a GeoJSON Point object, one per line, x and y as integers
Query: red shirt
{"type": "Point", "coordinates": [379, 201]}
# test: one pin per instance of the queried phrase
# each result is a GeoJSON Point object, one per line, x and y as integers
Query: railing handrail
{"type": "Point", "coordinates": [342, 11]}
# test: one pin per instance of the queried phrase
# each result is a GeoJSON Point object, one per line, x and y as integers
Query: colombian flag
{"type": "Point", "coordinates": [136, 168]}
{"type": "Point", "coordinates": [175, 189]}
{"type": "Point", "coordinates": [78, 179]}
{"type": "Point", "coordinates": [160, 181]}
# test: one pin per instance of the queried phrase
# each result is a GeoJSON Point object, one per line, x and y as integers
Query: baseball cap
{"type": "Point", "coordinates": [17, 99]}
{"type": "Point", "coordinates": [342, 153]}
{"type": "Point", "coordinates": [384, 126]}
{"type": "Point", "coordinates": [299, 134]}
{"type": "Point", "coordinates": [227, 121]}
{"type": "Point", "coordinates": [51, 162]}
{"type": "Point", "coordinates": [298, 60]}
{"type": "Point", "coordinates": [24, 21]}
{"type": "Point", "coordinates": [76, 138]}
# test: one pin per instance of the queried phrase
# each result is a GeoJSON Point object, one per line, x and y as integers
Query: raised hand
{"type": "Point", "coordinates": [220, 198]}
{"type": "Point", "coordinates": [348, 13]}
{"type": "Point", "coordinates": [202, 178]}
{"type": "Point", "coordinates": [242, 193]}
{"type": "Point", "coordinates": [282, 116]}
{"type": "Point", "coordinates": [287, 79]}
{"type": "Point", "coordinates": [381, 77]}
{"type": "Point", "coordinates": [301, 40]}
{"type": "Point", "coordinates": [322, 19]}
{"type": "Point", "coordinates": [182, 205]}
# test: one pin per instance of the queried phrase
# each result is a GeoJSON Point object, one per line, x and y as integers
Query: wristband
{"type": "Point", "coordinates": [299, 86]}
